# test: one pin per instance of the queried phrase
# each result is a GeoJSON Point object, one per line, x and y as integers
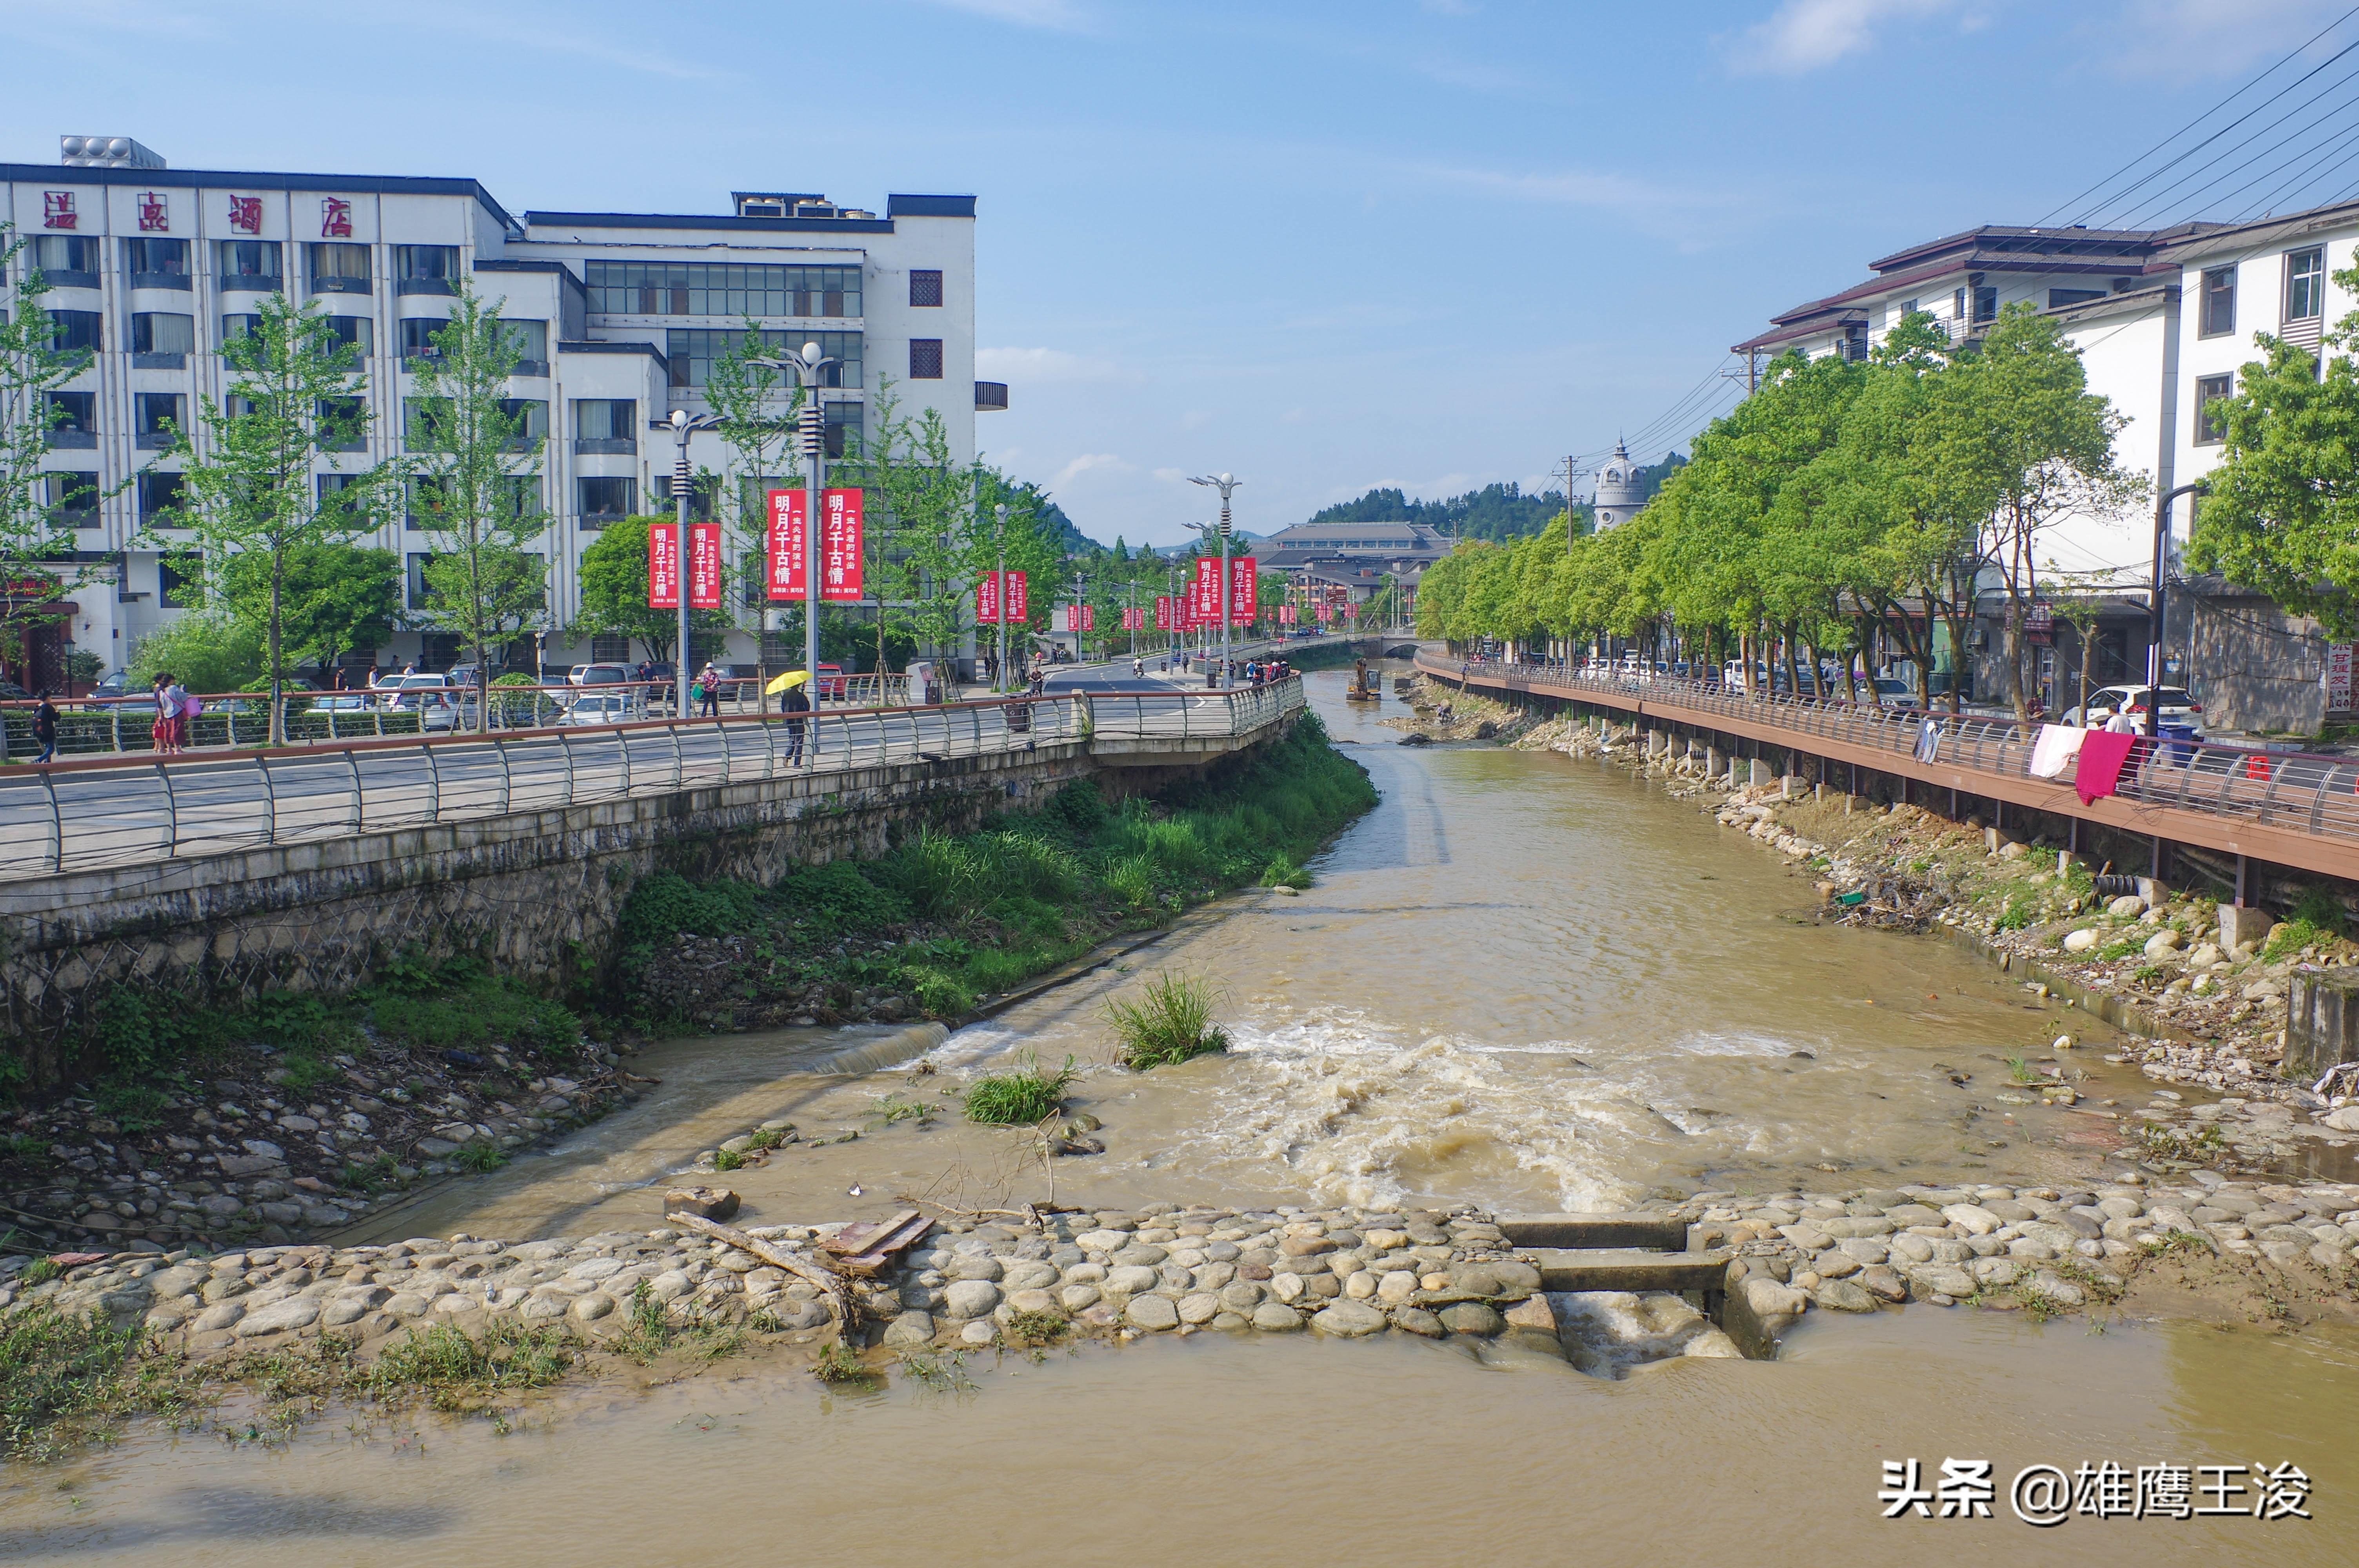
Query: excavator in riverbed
{"type": "Point", "coordinates": [1364, 686]}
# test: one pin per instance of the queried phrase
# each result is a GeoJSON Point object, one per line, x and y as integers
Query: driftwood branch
{"type": "Point", "coordinates": [838, 1301]}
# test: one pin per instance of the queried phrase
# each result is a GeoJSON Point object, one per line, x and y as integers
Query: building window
{"type": "Point", "coordinates": [843, 425]}
{"type": "Point", "coordinates": [170, 580]}
{"type": "Point", "coordinates": [924, 287]}
{"type": "Point", "coordinates": [528, 340]}
{"type": "Point", "coordinates": [2304, 283]}
{"type": "Point", "coordinates": [1854, 343]}
{"type": "Point", "coordinates": [236, 327]}
{"type": "Point", "coordinates": [601, 501]}
{"type": "Point", "coordinates": [2210, 429]}
{"type": "Point", "coordinates": [344, 424]}
{"type": "Point", "coordinates": [721, 288]}
{"type": "Point", "coordinates": [1986, 305]}
{"type": "Point", "coordinates": [331, 491]}
{"type": "Point", "coordinates": [607, 648]}
{"type": "Point", "coordinates": [77, 330]}
{"type": "Point", "coordinates": [162, 332]}
{"type": "Point", "coordinates": [420, 595]}
{"type": "Point", "coordinates": [68, 261]}
{"type": "Point", "coordinates": [2059, 298]}
{"type": "Point", "coordinates": [605, 424]}
{"type": "Point", "coordinates": [424, 269]}
{"type": "Point", "coordinates": [531, 415]}
{"type": "Point", "coordinates": [703, 492]}
{"type": "Point", "coordinates": [73, 413]}
{"type": "Point", "coordinates": [357, 331]}
{"type": "Point", "coordinates": [339, 269]}
{"type": "Point", "coordinates": [157, 417]}
{"type": "Point", "coordinates": [156, 263]}
{"type": "Point", "coordinates": [519, 494]}
{"type": "Point", "coordinates": [692, 350]}
{"type": "Point", "coordinates": [421, 502]}
{"type": "Point", "coordinates": [926, 358]}
{"type": "Point", "coordinates": [2219, 302]}
{"type": "Point", "coordinates": [418, 337]}
{"type": "Point", "coordinates": [158, 494]}
{"type": "Point", "coordinates": [250, 265]}
{"type": "Point", "coordinates": [73, 500]}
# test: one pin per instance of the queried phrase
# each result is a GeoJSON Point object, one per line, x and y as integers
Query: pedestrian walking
{"type": "Point", "coordinates": [794, 702]}
{"type": "Point", "coordinates": [179, 705]}
{"type": "Point", "coordinates": [45, 728]}
{"type": "Point", "coordinates": [159, 733]}
{"type": "Point", "coordinates": [707, 692]}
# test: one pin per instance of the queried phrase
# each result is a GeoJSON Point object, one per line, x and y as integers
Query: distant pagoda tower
{"type": "Point", "coordinates": [1621, 489]}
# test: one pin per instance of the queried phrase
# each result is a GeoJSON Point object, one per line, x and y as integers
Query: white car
{"type": "Point", "coordinates": [432, 697]}
{"type": "Point", "coordinates": [2178, 707]}
{"type": "Point", "coordinates": [602, 708]}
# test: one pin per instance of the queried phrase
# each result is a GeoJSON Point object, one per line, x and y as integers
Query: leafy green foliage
{"type": "Point", "coordinates": [1171, 1021]}
{"type": "Point", "coordinates": [63, 1377]}
{"type": "Point", "coordinates": [1021, 1098]}
{"type": "Point", "coordinates": [1496, 512]}
{"type": "Point", "coordinates": [209, 651]}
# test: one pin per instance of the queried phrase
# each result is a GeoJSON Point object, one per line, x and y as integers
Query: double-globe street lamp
{"type": "Point", "coordinates": [1226, 484]}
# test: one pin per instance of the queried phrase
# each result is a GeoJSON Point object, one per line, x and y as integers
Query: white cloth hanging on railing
{"type": "Point", "coordinates": [2053, 751]}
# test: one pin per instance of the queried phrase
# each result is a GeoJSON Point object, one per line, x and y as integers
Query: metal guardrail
{"type": "Point", "coordinates": [96, 726]}
{"type": "Point", "coordinates": [2290, 791]}
{"type": "Point", "coordinates": [115, 811]}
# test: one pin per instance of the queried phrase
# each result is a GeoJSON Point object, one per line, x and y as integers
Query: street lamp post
{"type": "Point", "coordinates": [808, 366]}
{"type": "Point", "coordinates": [1226, 484]}
{"type": "Point", "coordinates": [682, 425]}
{"type": "Point", "coordinates": [2155, 604]}
{"type": "Point", "coordinates": [999, 543]}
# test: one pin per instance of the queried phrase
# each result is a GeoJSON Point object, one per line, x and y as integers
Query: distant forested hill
{"type": "Point", "coordinates": [1495, 511]}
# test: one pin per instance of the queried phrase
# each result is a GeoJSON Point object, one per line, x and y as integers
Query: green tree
{"type": "Point", "coordinates": [208, 649]}
{"type": "Point", "coordinates": [474, 462]}
{"type": "Point", "coordinates": [32, 545]}
{"type": "Point", "coordinates": [334, 598]}
{"type": "Point", "coordinates": [2281, 513]}
{"type": "Point", "coordinates": [756, 406]}
{"type": "Point", "coordinates": [249, 489]}
{"type": "Point", "coordinates": [615, 591]}
{"type": "Point", "coordinates": [917, 506]}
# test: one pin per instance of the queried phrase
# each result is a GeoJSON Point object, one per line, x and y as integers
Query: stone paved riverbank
{"type": "Point", "coordinates": [991, 1281]}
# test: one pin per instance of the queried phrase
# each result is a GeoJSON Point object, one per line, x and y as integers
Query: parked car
{"type": "Point", "coordinates": [2180, 711]}
{"type": "Point", "coordinates": [432, 697]}
{"type": "Point", "coordinates": [602, 674]}
{"type": "Point", "coordinates": [1891, 693]}
{"type": "Point", "coordinates": [831, 683]}
{"type": "Point", "coordinates": [598, 708]}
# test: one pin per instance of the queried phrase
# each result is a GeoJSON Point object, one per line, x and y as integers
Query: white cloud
{"type": "Point", "coordinates": [1168, 476]}
{"type": "Point", "coordinates": [1091, 463]}
{"type": "Point", "coordinates": [1045, 367]}
{"type": "Point", "coordinates": [1803, 34]}
{"type": "Point", "coordinates": [1057, 15]}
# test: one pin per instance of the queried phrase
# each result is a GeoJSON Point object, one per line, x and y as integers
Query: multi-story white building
{"type": "Point", "coordinates": [2164, 320]}
{"type": "Point", "coordinates": [622, 314]}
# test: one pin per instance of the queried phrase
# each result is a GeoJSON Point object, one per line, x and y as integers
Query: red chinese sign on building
{"type": "Point", "coordinates": [838, 544]}
{"type": "Point", "coordinates": [704, 566]}
{"type": "Point", "coordinates": [154, 216]}
{"type": "Point", "coordinates": [246, 214]}
{"type": "Point", "coordinates": [663, 567]}
{"type": "Point", "coordinates": [335, 219]}
{"type": "Point", "coordinates": [58, 210]}
{"type": "Point", "coordinates": [1242, 605]}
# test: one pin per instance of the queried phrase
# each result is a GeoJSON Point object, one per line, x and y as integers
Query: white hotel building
{"type": "Point", "coordinates": [2164, 319]}
{"type": "Point", "coordinates": [622, 312]}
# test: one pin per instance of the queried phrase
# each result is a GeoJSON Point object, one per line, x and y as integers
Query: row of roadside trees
{"type": "Point", "coordinates": [1916, 490]}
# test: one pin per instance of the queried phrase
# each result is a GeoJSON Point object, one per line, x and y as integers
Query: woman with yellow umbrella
{"type": "Point", "coordinates": [792, 700]}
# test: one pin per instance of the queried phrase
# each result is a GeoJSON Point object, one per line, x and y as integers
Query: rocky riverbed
{"type": "Point", "coordinates": [253, 1150]}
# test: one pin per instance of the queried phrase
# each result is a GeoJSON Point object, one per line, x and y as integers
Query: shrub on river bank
{"type": "Point", "coordinates": [946, 919]}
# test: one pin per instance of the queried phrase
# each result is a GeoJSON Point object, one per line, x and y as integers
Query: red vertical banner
{"type": "Point", "coordinates": [1323, 611]}
{"type": "Point", "coordinates": [986, 600]}
{"type": "Point", "coordinates": [1015, 605]}
{"type": "Point", "coordinates": [838, 544]}
{"type": "Point", "coordinates": [1208, 589]}
{"type": "Point", "coordinates": [1089, 617]}
{"type": "Point", "coordinates": [663, 567]}
{"type": "Point", "coordinates": [786, 543]}
{"type": "Point", "coordinates": [1243, 606]}
{"type": "Point", "coordinates": [1163, 619]}
{"type": "Point", "coordinates": [704, 566]}
{"type": "Point", "coordinates": [1134, 619]}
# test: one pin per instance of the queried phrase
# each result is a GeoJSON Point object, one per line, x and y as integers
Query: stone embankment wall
{"type": "Point", "coordinates": [539, 892]}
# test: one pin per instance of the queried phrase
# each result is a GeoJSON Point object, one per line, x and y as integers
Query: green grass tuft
{"type": "Point", "coordinates": [1021, 1098]}
{"type": "Point", "coordinates": [1171, 1021]}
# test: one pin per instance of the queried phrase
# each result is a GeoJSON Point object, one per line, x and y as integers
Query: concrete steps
{"type": "Point", "coordinates": [1635, 1251]}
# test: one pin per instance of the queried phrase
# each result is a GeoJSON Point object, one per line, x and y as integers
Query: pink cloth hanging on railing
{"type": "Point", "coordinates": [2102, 752]}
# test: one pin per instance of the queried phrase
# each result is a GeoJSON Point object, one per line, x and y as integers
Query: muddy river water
{"type": "Point", "coordinates": [1523, 982]}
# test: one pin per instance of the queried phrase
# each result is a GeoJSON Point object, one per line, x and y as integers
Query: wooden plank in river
{"type": "Point", "coordinates": [1640, 1229]}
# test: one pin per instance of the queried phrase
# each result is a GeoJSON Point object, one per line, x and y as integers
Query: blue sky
{"type": "Point", "coordinates": [1431, 244]}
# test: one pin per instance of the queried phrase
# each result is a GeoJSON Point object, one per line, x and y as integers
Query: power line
{"type": "Point", "coordinates": [2182, 189]}
{"type": "Point", "coordinates": [2198, 119]}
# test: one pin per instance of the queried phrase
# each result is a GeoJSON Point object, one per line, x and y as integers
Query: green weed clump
{"type": "Point", "coordinates": [454, 1371]}
{"type": "Point", "coordinates": [1171, 1021]}
{"type": "Point", "coordinates": [63, 1379]}
{"type": "Point", "coordinates": [1021, 1098]}
{"type": "Point", "coordinates": [2316, 918]}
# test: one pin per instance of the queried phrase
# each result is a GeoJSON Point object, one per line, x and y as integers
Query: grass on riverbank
{"type": "Point", "coordinates": [1171, 1021]}
{"type": "Point", "coordinates": [946, 919]}
{"type": "Point", "coordinates": [1021, 1098]}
